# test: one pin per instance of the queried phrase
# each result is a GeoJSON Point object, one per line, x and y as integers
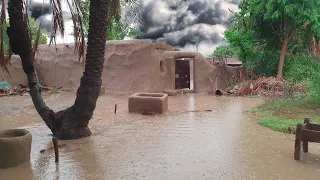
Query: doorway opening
{"type": "Point", "coordinates": [184, 75]}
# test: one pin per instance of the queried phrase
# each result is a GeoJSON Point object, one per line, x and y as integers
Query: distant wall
{"type": "Point", "coordinates": [130, 66]}
{"type": "Point", "coordinates": [16, 71]}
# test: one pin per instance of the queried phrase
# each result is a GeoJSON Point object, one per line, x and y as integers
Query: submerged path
{"type": "Point", "coordinates": [225, 143]}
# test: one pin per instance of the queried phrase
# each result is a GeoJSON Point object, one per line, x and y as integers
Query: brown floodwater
{"type": "Point", "coordinates": [226, 143]}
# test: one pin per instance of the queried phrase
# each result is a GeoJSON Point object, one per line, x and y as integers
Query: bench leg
{"type": "Point", "coordinates": [297, 146]}
{"type": "Point", "coordinates": [305, 143]}
{"type": "Point", "coordinates": [305, 146]}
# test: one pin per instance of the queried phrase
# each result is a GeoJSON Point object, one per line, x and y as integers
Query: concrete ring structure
{"type": "Point", "coordinates": [15, 147]}
{"type": "Point", "coordinates": [148, 102]}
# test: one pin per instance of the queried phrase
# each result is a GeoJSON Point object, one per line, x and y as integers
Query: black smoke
{"type": "Point", "coordinates": [41, 11]}
{"type": "Point", "coordinates": [178, 22]}
{"type": "Point", "coordinates": [38, 9]}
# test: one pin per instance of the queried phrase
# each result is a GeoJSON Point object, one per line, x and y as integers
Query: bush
{"type": "Point", "coordinates": [263, 62]}
{"type": "Point", "coordinates": [223, 51]}
{"type": "Point", "coordinates": [34, 26]}
{"type": "Point", "coordinates": [260, 58]}
{"type": "Point", "coordinates": [304, 68]}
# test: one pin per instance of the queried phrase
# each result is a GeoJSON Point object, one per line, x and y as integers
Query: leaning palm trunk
{"type": "Point", "coordinates": [73, 122]}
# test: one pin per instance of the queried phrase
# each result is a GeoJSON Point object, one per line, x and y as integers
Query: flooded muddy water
{"type": "Point", "coordinates": [225, 143]}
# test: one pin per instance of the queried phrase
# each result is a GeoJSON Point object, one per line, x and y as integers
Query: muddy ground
{"type": "Point", "coordinates": [225, 143]}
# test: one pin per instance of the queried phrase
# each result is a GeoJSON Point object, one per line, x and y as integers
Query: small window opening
{"type": "Point", "coordinates": [161, 66]}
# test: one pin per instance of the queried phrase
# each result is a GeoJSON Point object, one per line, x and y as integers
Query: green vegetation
{"type": "Point", "coordinates": [266, 34]}
{"type": "Point", "coordinates": [53, 91]}
{"type": "Point", "coordinates": [284, 114]}
{"type": "Point", "coordinates": [277, 38]}
{"type": "Point", "coordinates": [116, 29]}
{"type": "Point", "coordinates": [34, 26]}
{"type": "Point", "coordinates": [224, 51]}
{"type": "Point", "coordinates": [279, 124]}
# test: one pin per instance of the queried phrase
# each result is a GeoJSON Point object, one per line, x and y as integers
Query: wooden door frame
{"type": "Point", "coordinates": [191, 73]}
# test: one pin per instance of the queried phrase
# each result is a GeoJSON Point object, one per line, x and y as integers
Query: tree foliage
{"type": "Point", "coordinates": [264, 31]}
{"type": "Point", "coordinates": [34, 27]}
{"type": "Point", "coordinates": [116, 29]}
{"type": "Point", "coordinates": [224, 51]}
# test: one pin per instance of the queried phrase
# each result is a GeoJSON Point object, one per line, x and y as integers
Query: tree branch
{"type": "Point", "coordinates": [272, 27]}
{"type": "Point", "coordinates": [20, 42]}
{"type": "Point", "coordinates": [230, 10]}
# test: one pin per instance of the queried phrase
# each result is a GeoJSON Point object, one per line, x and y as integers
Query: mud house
{"type": "Point", "coordinates": [130, 66]}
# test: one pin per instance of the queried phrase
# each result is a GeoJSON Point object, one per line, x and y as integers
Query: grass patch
{"type": "Point", "coordinates": [53, 91]}
{"type": "Point", "coordinates": [278, 124]}
{"type": "Point", "coordinates": [284, 114]}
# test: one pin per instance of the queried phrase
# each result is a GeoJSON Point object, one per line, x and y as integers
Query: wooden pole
{"type": "Point", "coordinates": [305, 143]}
{"type": "Point", "coordinates": [115, 108]}
{"type": "Point", "coordinates": [56, 148]}
{"type": "Point", "coordinates": [297, 145]}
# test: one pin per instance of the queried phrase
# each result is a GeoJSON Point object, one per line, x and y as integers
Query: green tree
{"type": "Point", "coordinates": [116, 29]}
{"type": "Point", "coordinates": [275, 25]}
{"type": "Point", "coordinates": [224, 51]}
{"type": "Point", "coordinates": [34, 26]}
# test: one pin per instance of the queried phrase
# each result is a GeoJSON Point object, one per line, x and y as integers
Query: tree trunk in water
{"type": "Point", "coordinates": [74, 120]}
{"type": "Point", "coordinates": [20, 42]}
{"type": "Point", "coordinates": [282, 57]}
{"type": "Point", "coordinates": [71, 123]}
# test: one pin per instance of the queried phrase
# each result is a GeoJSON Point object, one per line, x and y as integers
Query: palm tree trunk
{"type": "Point", "coordinates": [75, 119]}
{"type": "Point", "coordinates": [73, 122]}
{"type": "Point", "coordinates": [20, 42]}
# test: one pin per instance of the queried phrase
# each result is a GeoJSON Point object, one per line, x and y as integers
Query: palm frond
{"type": "Point", "coordinates": [115, 13]}
{"type": "Point", "coordinates": [78, 31]}
{"type": "Point", "coordinates": [36, 42]}
{"type": "Point", "coordinates": [57, 19]}
{"type": "Point", "coordinates": [134, 7]}
{"type": "Point", "coordinates": [115, 10]}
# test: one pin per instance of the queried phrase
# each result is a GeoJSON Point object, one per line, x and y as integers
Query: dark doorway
{"type": "Point", "coordinates": [184, 79]}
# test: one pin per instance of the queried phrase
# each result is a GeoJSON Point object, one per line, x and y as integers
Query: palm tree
{"type": "Point", "coordinates": [71, 123]}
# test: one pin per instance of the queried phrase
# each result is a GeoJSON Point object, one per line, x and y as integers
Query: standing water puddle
{"type": "Point", "coordinates": [224, 143]}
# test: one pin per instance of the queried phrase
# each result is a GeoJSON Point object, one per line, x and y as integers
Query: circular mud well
{"type": "Point", "coordinates": [15, 147]}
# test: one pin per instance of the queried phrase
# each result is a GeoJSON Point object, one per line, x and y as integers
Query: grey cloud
{"type": "Point", "coordinates": [38, 9]}
{"type": "Point", "coordinates": [173, 21]}
{"type": "Point", "coordinates": [177, 22]}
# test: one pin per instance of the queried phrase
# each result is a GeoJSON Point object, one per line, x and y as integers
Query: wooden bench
{"type": "Point", "coordinates": [305, 133]}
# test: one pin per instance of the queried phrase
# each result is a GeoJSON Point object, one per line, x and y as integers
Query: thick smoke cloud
{"type": "Point", "coordinates": [179, 22]}
{"type": "Point", "coordinates": [176, 22]}
{"type": "Point", "coordinates": [42, 13]}
{"type": "Point", "coordinates": [40, 10]}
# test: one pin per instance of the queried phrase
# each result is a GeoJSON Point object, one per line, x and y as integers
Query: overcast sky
{"type": "Point", "coordinates": [173, 21]}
